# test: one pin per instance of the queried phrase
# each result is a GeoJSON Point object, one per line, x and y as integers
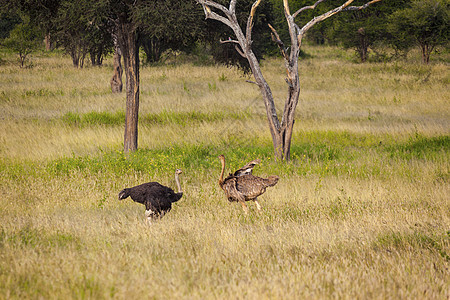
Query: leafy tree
{"type": "Point", "coordinates": [365, 29]}
{"type": "Point", "coordinates": [40, 13]}
{"type": "Point", "coordinates": [180, 25]}
{"type": "Point", "coordinates": [425, 23]}
{"type": "Point", "coordinates": [23, 40]}
{"type": "Point", "coordinates": [99, 35]}
{"type": "Point", "coordinates": [8, 20]}
{"type": "Point", "coordinates": [168, 24]}
{"type": "Point", "coordinates": [82, 28]}
{"type": "Point", "coordinates": [359, 30]}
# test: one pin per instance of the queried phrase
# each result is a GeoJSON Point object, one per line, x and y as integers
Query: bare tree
{"type": "Point", "coordinates": [281, 130]}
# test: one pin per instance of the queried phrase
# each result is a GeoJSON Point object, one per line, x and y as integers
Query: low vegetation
{"type": "Point", "coordinates": [361, 211]}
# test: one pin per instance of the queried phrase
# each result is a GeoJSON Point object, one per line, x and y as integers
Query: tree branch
{"type": "Point", "coordinates": [235, 46]}
{"type": "Point", "coordinates": [277, 40]}
{"type": "Point", "coordinates": [232, 7]}
{"type": "Point", "coordinates": [228, 41]}
{"type": "Point", "coordinates": [343, 7]}
{"type": "Point", "coordinates": [324, 16]}
{"type": "Point", "coordinates": [307, 7]}
{"type": "Point", "coordinates": [248, 34]}
{"type": "Point", "coordinates": [214, 4]}
{"type": "Point", "coordinates": [362, 6]}
{"type": "Point", "coordinates": [286, 7]}
{"type": "Point", "coordinates": [240, 51]}
{"type": "Point", "coordinates": [209, 14]}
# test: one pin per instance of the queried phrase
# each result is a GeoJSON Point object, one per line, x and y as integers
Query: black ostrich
{"type": "Point", "coordinates": [156, 197]}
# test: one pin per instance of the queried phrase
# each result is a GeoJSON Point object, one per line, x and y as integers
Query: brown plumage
{"type": "Point", "coordinates": [242, 186]}
{"type": "Point", "coordinates": [156, 197]}
{"type": "Point", "coordinates": [247, 169]}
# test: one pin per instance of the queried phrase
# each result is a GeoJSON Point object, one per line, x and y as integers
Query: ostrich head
{"type": "Point", "coordinates": [178, 171]}
{"type": "Point", "coordinates": [273, 179]}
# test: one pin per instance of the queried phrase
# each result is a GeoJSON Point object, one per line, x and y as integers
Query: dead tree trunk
{"type": "Point", "coordinates": [281, 131]}
{"type": "Point", "coordinates": [127, 38]}
{"type": "Point", "coordinates": [116, 80]}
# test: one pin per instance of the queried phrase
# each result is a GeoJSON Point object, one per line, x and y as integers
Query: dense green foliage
{"type": "Point", "coordinates": [8, 21]}
{"type": "Point", "coordinates": [85, 28]}
{"type": "Point", "coordinates": [23, 40]}
{"type": "Point", "coordinates": [366, 29]}
{"type": "Point", "coordinates": [82, 28]}
{"type": "Point", "coordinates": [164, 25]}
{"type": "Point", "coordinates": [425, 23]}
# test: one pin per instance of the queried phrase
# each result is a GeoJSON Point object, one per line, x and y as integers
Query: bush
{"type": "Point", "coordinates": [23, 40]}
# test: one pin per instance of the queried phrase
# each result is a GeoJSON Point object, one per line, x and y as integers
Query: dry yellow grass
{"type": "Point", "coordinates": [366, 221]}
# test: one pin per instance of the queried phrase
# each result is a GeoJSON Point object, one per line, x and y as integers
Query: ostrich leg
{"type": "Point", "coordinates": [149, 215]}
{"type": "Point", "coordinates": [244, 206]}
{"type": "Point", "coordinates": [257, 205]}
{"type": "Point", "coordinates": [241, 200]}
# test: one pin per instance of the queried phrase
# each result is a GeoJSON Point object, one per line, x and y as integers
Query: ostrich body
{"type": "Point", "coordinates": [156, 197]}
{"type": "Point", "coordinates": [242, 186]}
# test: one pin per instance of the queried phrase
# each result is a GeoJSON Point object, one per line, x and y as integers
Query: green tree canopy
{"type": "Point", "coordinates": [82, 28]}
{"type": "Point", "coordinates": [23, 40]}
{"type": "Point", "coordinates": [8, 20]}
{"type": "Point", "coordinates": [168, 24]}
{"type": "Point", "coordinates": [364, 29]}
{"type": "Point", "coordinates": [425, 22]}
{"type": "Point", "coordinates": [40, 13]}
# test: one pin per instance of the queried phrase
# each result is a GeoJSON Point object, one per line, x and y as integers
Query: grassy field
{"type": "Point", "coordinates": [362, 210]}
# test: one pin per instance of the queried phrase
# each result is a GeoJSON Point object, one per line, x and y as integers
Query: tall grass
{"type": "Point", "coordinates": [361, 211]}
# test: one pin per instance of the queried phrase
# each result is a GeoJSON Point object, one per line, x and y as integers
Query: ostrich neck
{"type": "Point", "coordinates": [222, 172]}
{"type": "Point", "coordinates": [177, 181]}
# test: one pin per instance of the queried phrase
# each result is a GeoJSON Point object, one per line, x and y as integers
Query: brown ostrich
{"type": "Point", "coordinates": [242, 186]}
{"type": "Point", "coordinates": [156, 197]}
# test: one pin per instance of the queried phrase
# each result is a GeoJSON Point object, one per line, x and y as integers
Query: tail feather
{"type": "Point", "coordinates": [124, 194]}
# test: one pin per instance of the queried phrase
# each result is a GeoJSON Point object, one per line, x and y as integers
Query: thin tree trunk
{"type": "Point", "coordinates": [116, 80]}
{"type": "Point", "coordinates": [48, 42]}
{"type": "Point", "coordinates": [75, 58]}
{"type": "Point", "coordinates": [363, 44]}
{"type": "Point", "coordinates": [426, 52]}
{"type": "Point", "coordinates": [127, 38]}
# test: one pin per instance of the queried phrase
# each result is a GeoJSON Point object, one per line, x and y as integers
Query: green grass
{"type": "Point", "coordinates": [361, 210]}
{"type": "Point", "coordinates": [162, 118]}
{"type": "Point", "coordinates": [421, 148]}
